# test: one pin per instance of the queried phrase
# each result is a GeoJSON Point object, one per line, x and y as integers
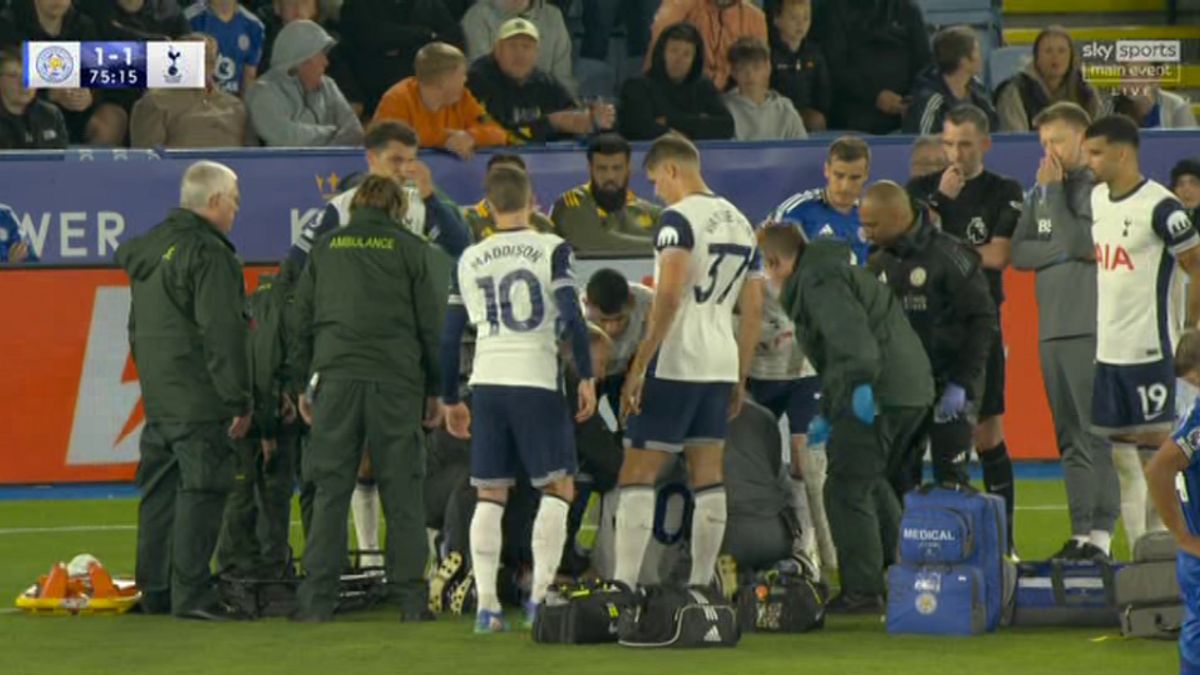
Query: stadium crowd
{"type": "Point", "coordinates": [357, 381]}
{"type": "Point", "coordinates": [303, 73]}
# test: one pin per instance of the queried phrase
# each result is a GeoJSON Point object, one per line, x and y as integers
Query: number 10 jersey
{"type": "Point", "coordinates": [700, 345]}
{"type": "Point", "coordinates": [507, 284]}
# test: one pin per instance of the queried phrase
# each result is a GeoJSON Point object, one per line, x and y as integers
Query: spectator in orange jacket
{"type": "Point", "coordinates": [720, 22]}
{"type": "Point", "coordinates": [436, 104]}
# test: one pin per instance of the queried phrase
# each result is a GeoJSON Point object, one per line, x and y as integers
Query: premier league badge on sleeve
{"type": "Point", "coordinates": [52, 65]}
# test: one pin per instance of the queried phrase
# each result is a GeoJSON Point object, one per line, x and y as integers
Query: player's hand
{"type": "Point", "coordinates": [269, 446]}
{"type": "Point", "coordinates": [287, 409]}
{"type": "Point", "coordinates": [890, 102]}
{"type": "Point", "coordinates": [1189, 543]}
{"type": "Point", "coordinates": [1050, 170]}
{"type": "Point", "coordinates": [952, 182]}
{"type": "Point", "coordinates": [736, 398]}
{"type": "Point", "coordinates": [435, 413]}
{"type": "Point", "coordinates": [460, 143]}
{"type": "Point", "coordinates": [587, 400]}
{"type": "Point", "coordinates": [418, 172]}
{"type": "Point", "coordinates": [306, 409]}
{"type": "Point", "coordinates": [458, 420]}
{"type": "Point", "coordinates": [239, 427]}
{"type": "Point", "coordinates": [631, 394]}
{"type": "Point", "coordinates": [18, 253]}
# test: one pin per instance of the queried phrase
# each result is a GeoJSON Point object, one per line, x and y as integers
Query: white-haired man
{"type": "Point", "coordinates": [187, 332]}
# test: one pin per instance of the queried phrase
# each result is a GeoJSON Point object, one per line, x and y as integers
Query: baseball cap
{"type": "Point", "coordinates": [517, 26]}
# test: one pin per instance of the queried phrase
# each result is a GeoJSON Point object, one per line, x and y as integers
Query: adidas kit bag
{"type": "Point", "coordinates": [679, 616]}
{"type": "Point", "coordinates": [1066, 593]}
{"type": "Point", "coordinates": [949, 527]}
{"type": "Point", "coordinates": [1148, 593]}
{"type": "Point", "coordinates": [582, 613]}
{"type": "Point", "coordinates": [782, 600]}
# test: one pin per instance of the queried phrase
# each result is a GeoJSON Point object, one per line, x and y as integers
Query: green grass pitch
{"type": "Point", "coordinates": [34, 534]}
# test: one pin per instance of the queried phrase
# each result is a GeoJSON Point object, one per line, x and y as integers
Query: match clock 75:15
{"type": "Point", "coordinates": [113, 65]}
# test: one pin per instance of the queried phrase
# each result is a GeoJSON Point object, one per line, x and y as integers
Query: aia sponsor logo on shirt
{"type": "Point", "coordinates": [1113, 258]}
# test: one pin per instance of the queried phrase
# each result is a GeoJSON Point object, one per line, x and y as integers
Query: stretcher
{"type": "Point", "coordinates": [82, 588]}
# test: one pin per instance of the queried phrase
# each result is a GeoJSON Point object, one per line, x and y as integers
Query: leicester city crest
{"type": "Point", "coordinates": [55, 65]}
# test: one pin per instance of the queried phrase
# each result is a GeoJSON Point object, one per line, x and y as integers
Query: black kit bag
{"type": "Point", "coordinates": [582, 613]}
{"type": "Point", "coordinates": [782, 600]}
{"type": "Point", "coordinates": [679, 616]}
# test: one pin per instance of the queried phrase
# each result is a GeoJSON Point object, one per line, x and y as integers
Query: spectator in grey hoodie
{"type": "Point", "coordinates": [295, 104]}
{"type": "Point", "coordinates": [759, 112]}
{"type": "Point", "coordinates": [481, 26]}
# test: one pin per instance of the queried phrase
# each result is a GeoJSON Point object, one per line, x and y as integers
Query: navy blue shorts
{"type": "Point", "coordinates": [799, 399]}
{"type": "Point", "coordinates": [675, 414]}
{"type": "Point", "coordinates": [1133, 399]}
{"type": "Point", "coordinates": [520, 429]}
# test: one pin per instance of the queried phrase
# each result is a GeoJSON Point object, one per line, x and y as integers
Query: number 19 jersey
{"type": "Point", "coordinates": [700, 345]}
{"type": "Point", "coordinates": [507, 283]}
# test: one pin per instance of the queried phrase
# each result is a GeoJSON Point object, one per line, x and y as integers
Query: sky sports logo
{"type": "Point", "coordinates": [1132, 64]}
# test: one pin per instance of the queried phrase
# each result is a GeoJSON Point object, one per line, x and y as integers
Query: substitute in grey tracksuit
{"type": "Point", "coordinates": [1053, 238]}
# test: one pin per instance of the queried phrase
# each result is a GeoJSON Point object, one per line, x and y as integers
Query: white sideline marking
{"type": "Point", "coordinates": [296, 523]}
{"type": "Point", "coordinates": [79, 528]}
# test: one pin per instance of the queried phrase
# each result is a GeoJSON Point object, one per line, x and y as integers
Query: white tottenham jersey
{"type": "Point", "coordinates": [507, 283]}
{"type": "Point", "coordinates": [625, 347]}
{"type": "Point", "coordinates": [700, 344]}
{"type": "Point", "coordinates": [414, 220]}
{"type": "Point", "coordinates": [778, 357]}
{"type": "Point", "coordinates": [1137, 238]}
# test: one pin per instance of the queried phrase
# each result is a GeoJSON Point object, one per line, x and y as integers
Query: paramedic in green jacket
{"type": "Point", "coordinates": [367, 319]}
{"type": "Point", "coordinates": [254, 535]}
{"type": "Point", "coordinates": [876, 392]}
{"type": "Point", "coordinates": [187, 333]}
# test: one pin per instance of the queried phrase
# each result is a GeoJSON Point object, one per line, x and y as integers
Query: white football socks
{"type": "Point", "coordinates": [1133, 490]}
{"type": "Point", "coordinates": [549, 537]}
{"type": "Point", "coordinates": [486, 539]}
{"type": "Point", "coordinates": [365, 506]}
{"type": "Point", "coordinates": [1101, 540]}
{"type": "Point", "coordinates": [708, 531]}
{"type": "Point", "coordinates": [808, 531]}
{"type": "Point", "coordinates": [635, 525]}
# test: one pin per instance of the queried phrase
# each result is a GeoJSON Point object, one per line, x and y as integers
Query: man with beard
{"type": "Point", "coordinates": [604, 214]}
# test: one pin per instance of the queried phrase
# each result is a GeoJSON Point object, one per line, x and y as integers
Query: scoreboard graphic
{"type": "Point", "coordinates": [114, 65]}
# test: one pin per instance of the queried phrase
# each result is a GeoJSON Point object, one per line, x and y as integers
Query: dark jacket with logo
{"type": "Point", "coordinates": [854, 332]}
{"type": "Point", "coordinates": [523, 109]}
{"type": "Point", "coordinates": [943, 291]}
{"type": "Point", "coordinates": [870, 45]}
{"type": "Point", "coordinates": [369, 307]}
{"type": "Point", "coordinates": [41, 128]}
{"type": "Point", "coordinates": [187, 323]}
{"type": "Point", "coordinates": [802, 76]}
{"type": "Point", "coordinates": [932, 99]}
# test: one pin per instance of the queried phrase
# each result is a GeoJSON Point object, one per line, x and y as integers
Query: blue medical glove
{"type": "Point", "coordinates": [951, 405]}
{"type": "Point", "coordinates": [863, 404]}
{"type": "Point", "coordinates": [818, 431]}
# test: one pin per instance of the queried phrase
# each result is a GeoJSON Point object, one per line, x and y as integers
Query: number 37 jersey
{"type": "Point", "coordinates": [507, 283]}
{"type": "Point", "coordinates": [700, 345]}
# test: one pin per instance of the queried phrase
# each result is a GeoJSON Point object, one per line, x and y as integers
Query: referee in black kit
{"type": "Point", "coordinates": [981, 208]}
